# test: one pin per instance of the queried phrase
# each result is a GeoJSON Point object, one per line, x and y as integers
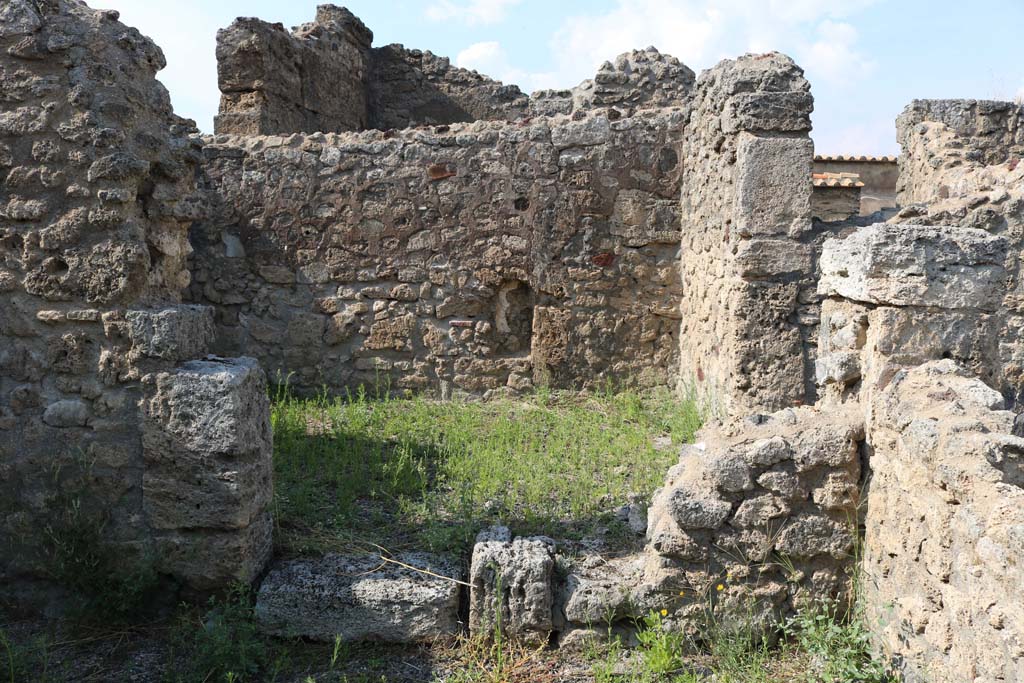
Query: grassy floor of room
{"type": "Point", "coordinates": [412, 473]}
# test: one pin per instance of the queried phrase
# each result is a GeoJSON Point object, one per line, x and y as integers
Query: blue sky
{"type": "Point", "coordinates": [866, 59]}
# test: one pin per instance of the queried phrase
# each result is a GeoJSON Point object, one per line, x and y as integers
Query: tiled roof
{"type": "Point", "coordinates": [836, 180]}
{"type": "Point", "coordinates": [853, 157]}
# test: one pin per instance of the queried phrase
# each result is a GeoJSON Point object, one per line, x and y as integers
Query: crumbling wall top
{"type": "Point", "coordinates": [310, 79]}
{"type": "Point", "coordinates": [633, 80]}
{"type": "Point", "coordinates": [990, 131]}
{"type": "Point", "coordinates": [416, 87]}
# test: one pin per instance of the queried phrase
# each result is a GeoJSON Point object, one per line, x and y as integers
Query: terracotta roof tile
{"type": "Point", "coordinates": [854, 157]}
{"type": "Point", "coordinates": [836, 180]}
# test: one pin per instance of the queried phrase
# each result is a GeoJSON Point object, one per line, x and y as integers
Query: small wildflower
{"type": "Point", "coordinates": [720, 587]}
{"type": "Point", "coordinates": [682, 594]}
{"type": "Point", "coordinates": [664, 612]}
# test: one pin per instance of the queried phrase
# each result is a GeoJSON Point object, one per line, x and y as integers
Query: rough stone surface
{"type": "Point", "coordinates": [512, 581]}
{"type": "Point", "coordinates": [310, 79]}
{"type": "Point", "coordinates": [943, 542]}
{"type": "Point", "coordinates": [938, 136]}
{"type": "Point", "coordinates": [97, 192]}
{"type": "Point", "coordinates": [912, 265]}
{"type": "Point", "coordinates": [178, 333]}
{"type": "Point", "coordinates": [642, 227]}
{"type": "Point", "coordinates": [484, 257]}
{"type": "Point", "coordinates": [207, 448]}
{"type": "Point", "coordinates": [961, 166]}
{"type": "Point", "coordinates": [361, 598]}
{"type": "Point", "coordinates": [749, 314]}
{"type": "Point", "coordinates": [634, 80]}
{"type": "Point", "coordinates": [785, 484]}
{"type": "Point", "coordinates": [324, 76]}
{"type": "Point", "coordinates": [416, 88]}
{"type": "Point", "coordinates": [597, 593]}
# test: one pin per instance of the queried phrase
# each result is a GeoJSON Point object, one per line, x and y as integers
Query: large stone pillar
{"type": "Point", "coordinates": [747, 258]}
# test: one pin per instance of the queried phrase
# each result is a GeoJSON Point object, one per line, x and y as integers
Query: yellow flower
{"type": "Point", "coordinates": [720, 588]}
{"type": "Point", "coordinates": [664, 612]}
{"type": "Point", "coordinates": [682, 593]}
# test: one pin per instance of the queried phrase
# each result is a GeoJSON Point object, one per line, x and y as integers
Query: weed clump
{"type": "Point", "coordinates": [221, 643]}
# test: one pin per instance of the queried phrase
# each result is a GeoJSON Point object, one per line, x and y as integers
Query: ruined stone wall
{"type": "Point", "coordinates": [751, 491]}
{"type": "Point", "coordinates": [909, 326]}
{"type": "Point", "coordinates": [416, 88]}
{"type": "Point", "coordinates": [940, 135]}
{"type": "Point", "coordinates": [325, 77]}
{"type": "Point", "coordinates": [943, 548]}
{"type": "Point", "coordinates": [749, 305]}
{"type": "Point", "coordinates": [97, 195]}
{"type": "Point", "coordinates": [960, 166]}
{"type": "Point", "coordinates": [468, 258]}
{"type": "Point", "coordinates": [902, 295]}
{"type": "Point", "coordinates": [311, 79]}
{"type": "Point", "coordinates": [638, 79]}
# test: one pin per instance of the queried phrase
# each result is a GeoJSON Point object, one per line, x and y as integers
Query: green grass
{"type": "Point", "coordinates": [416, 472]}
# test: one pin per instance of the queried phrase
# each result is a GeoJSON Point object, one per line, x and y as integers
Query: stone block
{"type": "Point", "coordinates": [597, 591]}
{"type": "Point", "coordinates": [18, 17]}
{"type": "Point", "coordinates": [757, 112]}
{"type": "Point", "coordinates": [207, 446]}
{"type": "Point", "coordinates": [361, 598]}
{"type": "Point", "coordinates": [641, 218]}
{"type": "Point", "coordinates": [176, 333]}
{"type": "Point", "coordinates": [773, 186]}
{"type": "Point", "coordinates": [592, 130]}
{"type": "Point", "coordinates": [513, 580]}
{"type": "Point", "coordinates": [67, 413]}
{"type": "Point", "coordinates": [759, 511]}
{"type": "Point", "coordinates": [808, 536]}
{"type": "Point", "coordinates": [770, 258]}
{"type": "Point", "coordinates": [217, 406]}
{"type": "Point", "coordinates": [696, 509]}
{"type": "Point", "coordinates": [916, 265]}
{"type": "Point", "coordinates": [212, 559]}
{"type": "Point", "coordinates": [841, 367]}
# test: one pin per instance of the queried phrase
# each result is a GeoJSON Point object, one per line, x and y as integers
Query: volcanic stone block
{"type": "Point", "coordinates": [788, 111]}
{"type": "Point", "coordinates": [213, 559]}
{"type": "Point", "coordinates": [207, 482]}
{"type": "Point", "coordinates": [361, 598]}
{"type": "Point", "coordinates": [176, 333]}
{"type": "Point", "coordinates": [512, 579]}
{"type": "Point", "coordinates": [773, 185]}
{"type": "Point", "coordinates": [916, 265]}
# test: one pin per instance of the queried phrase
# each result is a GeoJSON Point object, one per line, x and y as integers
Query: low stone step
{"type": "Point", "coordinates": [362, 598]}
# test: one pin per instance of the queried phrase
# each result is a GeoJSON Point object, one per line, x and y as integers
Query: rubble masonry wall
{"type": "Point", "coordinates": [464, 258]}
{"type": "Point", "coordinates": [939, 551]}
{"type": "Point", "coordinates": [961, 166]}
{"type": "Point", "coordinates": [323, 76]}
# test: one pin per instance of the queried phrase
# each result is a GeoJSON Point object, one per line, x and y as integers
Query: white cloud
{"type": "Point", "coordinates": [701, 32]}
{"type": "Point", "coordinates": [833, 57]}
{"type": "Point", "coordinates": [491, 59]}
{"type": "Point", "coordinates": [472, 13]}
